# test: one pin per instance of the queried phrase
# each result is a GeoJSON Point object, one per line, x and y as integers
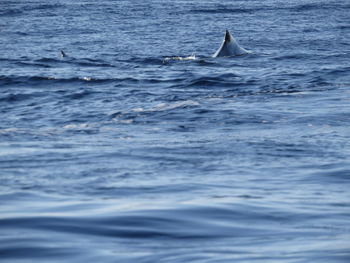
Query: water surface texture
{"type": "Point", "coordinates": [139, 147]}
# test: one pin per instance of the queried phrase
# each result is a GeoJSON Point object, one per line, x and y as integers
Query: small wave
{"type": "Point", "coordinates": [336, 172]}
{"type": "Point", "coordinates": [337, 71]}
{"type": "Point", "coordinates": [308, 7]}
{"type": "Point", "coordinates": [172, 106]}
{"type": "Point", "coordinates": [16, 97]}
{"type": "Point", "coordinates": [167, 106]}
{"type": "Point", "coordinates": [84, 62]}
{"type": "Point", "coordinates": [130, 116]}
{"type": "Point", "coordinates": [93, 63]}
{"type": "Point", "coordinates": [203, 62]}
{"type": "Point", "coordinates": [292, 56]}
{"type": "Point", "coordinates": [89, 64]}
{"type": "Point", "coordinates": [167, 59]}
{"type": "Point", "coordinates": [10, 12]}
{"type": "Point", "coordinates": [81, 126]}
{"type": "Point", "coordinates": [24, 9]}
{"type": "Point", "coordinates": [11, 80]}
{"type": "Point", "coordinates": [48, 60]}
{"type": "Point", "coordinates": [342, 27]}
{"type": "Point", "coordinates": [11, 130]}
{"type": "Point", "coordinates": [145, 61]}
{"type": "Point", "coordinates": [314, 6]}
{"type": "Point", "coordinates": [221, 10]}
{"type": "Point", "coordinates": [33, 64]}
{"type": "Point", "coordinates": [9, 60]}
{"type": "Point", "coordinates": [190, 222]}
{"type": "Point", "coordinates": [79, 95]}
{"type": "Point", "coordinates": [297, 8]}
{"type": "Point", "coordinates": [42, 7]}
{"type": "Point", "coordinates": [21, 133]}
{"type": "Point", "coordinates": [219, 80]}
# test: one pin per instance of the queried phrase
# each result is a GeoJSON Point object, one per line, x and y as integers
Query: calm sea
{"type": "Point", "coordinates": [137, 146]}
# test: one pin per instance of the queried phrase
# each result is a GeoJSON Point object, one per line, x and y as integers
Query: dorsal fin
{"type": "Point", "coordinates": [63, 54]}
{"type": "Point", "coordinates": [229, 47]}
{"type": "Point", "coordinates": [227, 36]}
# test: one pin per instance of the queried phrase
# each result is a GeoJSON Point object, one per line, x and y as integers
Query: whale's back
{"type": "Point", "coordinates": [230, 47]}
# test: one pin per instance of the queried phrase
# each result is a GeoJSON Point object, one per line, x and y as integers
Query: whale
{"type": "Point", "coordinates": [229, 47]}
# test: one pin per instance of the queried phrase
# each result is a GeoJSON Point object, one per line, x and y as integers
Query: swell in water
{"type": "Point", "coordinates": [139, 147]}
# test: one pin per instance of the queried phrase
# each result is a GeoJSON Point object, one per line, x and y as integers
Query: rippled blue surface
{"type": "Point", "coordinates": [123, 152]}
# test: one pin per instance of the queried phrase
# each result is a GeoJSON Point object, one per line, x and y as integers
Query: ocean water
{"type": "Point", "coordinates": [139, 147]}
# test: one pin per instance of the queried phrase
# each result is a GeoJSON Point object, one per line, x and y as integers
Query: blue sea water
{"type": "Point", "coordinates": [139, 147]}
